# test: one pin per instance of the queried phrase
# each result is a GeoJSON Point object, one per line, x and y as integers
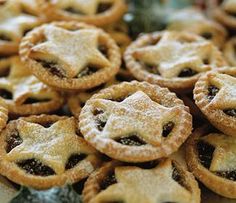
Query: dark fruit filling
{"type": "Point", "coordinates": [109, 180]}
{"type": "Point", "coordinates": [46, 125]}
{"type": "Point", "coordinates": [145, 165]}
{"type": "Point", "coordinates": [206, 61]}
{"type": "Point", "coordinates": [231, 175]}
{"type": "Point", "coordinates": [74, 11]}
{"type": "Point", "coordinates": [230, 112]}
{"type": "Point", "coordinates": [34, 100]}
{"type": "Point", "coordinates": [132, 140]}
{"type": "Point", "coordinates": [52, 67]}
{"type": "Point", "coordinates": [167, 128]}
{"type": "Point", "coordinates": [187, 72]}
{"type": "Point", "coordinates": [101, 123]}
{"type": "Point", "coordinates": [74, 159]}
{"type": "Point", "coordinates": [13, 141]}
{"type": "Point", "coordinates": [231, 13]}
{"type": "Point", "coordinates": [103, 50]}
{"type": "Point", "coordinates": [5, 38]}
{"type": "Point", "coordinates": [6, 94]}
{"type": "Point", "coordinates": [97, 112]}
{"type": "Point", "coordinates": [102, 7]}
{"type": "Point", "coordinates": [35, 167]}
{"type": "Point", "coordinates": [207, 35]}
{"type": "Point", "coordinates": [152, 69]}
{"type": "Point", "coordinates": [176, 175]}
{"type": "Point", "coordinates": [205, 153]}
{"type": "Point", "coordinates": [212, 91]}
{"type": "Point", "coordinates": [87, 71]}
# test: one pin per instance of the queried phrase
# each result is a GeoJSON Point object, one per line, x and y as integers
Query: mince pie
{"type": "Point", "coordinates": [224, 11]}
{"type": "Point", "coordinates": [172, 59]}
{"type": "Point", "coordinates": [97, 12]}
{"type": "Point", "coordinates": [210, 155]}
{"type": "Point", "coordinates": [193, 20]}
{"type": "Point", "coordinates": [30, 7]}
{"type": "Point", "coordinates": [135, 122]}
{"type": "Point", "coordinates": [162, 182]}
{"type": "Point", "coordinates": [215, 95]}
{"type": "Point", "coordinates": [14, 24]}
{"type": "Point", "coordinates": [24, 93]}
{"type": "Point", "coordinates": [45, 151]}
{"type": "Point", "coordinates": [71, 55]}
{"type": "Point", "coordinates": [230, 51]}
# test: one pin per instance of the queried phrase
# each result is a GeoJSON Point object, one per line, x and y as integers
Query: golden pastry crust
{"type": "Point", "coordinates": [56, 142]}
{"type": "Point", "coordinates": [229, 51]}
{"type": "Point", "coordinates": [193, 20]}
{"type": "Point", "coordinates": [3, 114]}
{"type": "Point", "coordinates": [23, 93]}
{"type": "Point", "coordinates": [135, 191]}
{"type": "Point", "coordinates": [59, 65]}
{"type": "Point", "coordinates": [214, 94]}
{"type": "Point", "coordinates": [210, 179]}
{"type": "Point", "coordinates": [125, 130]}
{"type": "Point", "coordinates": [13, 26]}
{"type": "Point", "coordinates": [171, 59]}
{"type": "Point", "coordinates": [223, 11]}
{"type": "Point", "coordinates": [66, 11]}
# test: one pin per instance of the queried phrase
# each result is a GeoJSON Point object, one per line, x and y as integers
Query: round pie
{"type": "Point", "coordinates": [97, 12]}
{"type": "Point", "coordinates": [172, 59]}
{"type": "Point", "coordinates": [193, 20]}
{"type": "Point", "coordinates": [45, 151]}
{"type": "Point", "coordinates": [70, 55]}
{"type": "Point", "coordinates": [14, 24]}
{"type": "Point", "coordinates": [230, 51]}
{"type": "Point", "coordinates": [210, 155]}
{"type": "Point", "coordinates": [215, 95]}
{"type": "Point", "coordinates": [155, 182]}
{"type": "Point", "coordinates": [23, 93]}
{"type": "Point", "coordinates": [135, 122]}
{"type": "Point", "coordinates": [223, 11]}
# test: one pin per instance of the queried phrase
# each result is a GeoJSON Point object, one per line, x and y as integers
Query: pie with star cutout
{"type": "Point", "coordinates": [135, 122]}
{"type": "Point", "coordinates": [223, 11]}
{"type": "Point", "coordinates": [215, 95]}
{"type": "Point", "coordinates": [70, 55]}
{"type": "Point", "coordinates": [165, 181]}
{"type": "Point", "coordinates": [172, 59]}
{"type": "Point", "coordinates": [45, 151]}
{"type": "Point", "coordinates": [14, 24]}
{"type": "Point", "coordinates": [23, 93]}
{"type": "Point", "coordinates": [96, 12]}
{"type": "Point", "coordinates": [211, 156]}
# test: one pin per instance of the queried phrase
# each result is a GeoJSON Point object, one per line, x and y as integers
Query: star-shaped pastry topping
{"type": "Point", "coordinates": [13, 22]}
{"type": "Point", "coordinates": [171, 56]}
{"type": "Point", "coordinates": [226, 97]}
{"type": "Point", "coordinates": [88, 7]}
{"type": "Point", "coordinates": [52, 146]}
{"type": "Point", "coordinates": [23, 85]}
{"type": "Point", "coordinates": [74, 49]}
{"type": "Point", "coordinates": [136, 185]}
{"type": "Point", "coordinates": [136, 114]}
{"type": "Point", "coordinates": [224, 156]}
